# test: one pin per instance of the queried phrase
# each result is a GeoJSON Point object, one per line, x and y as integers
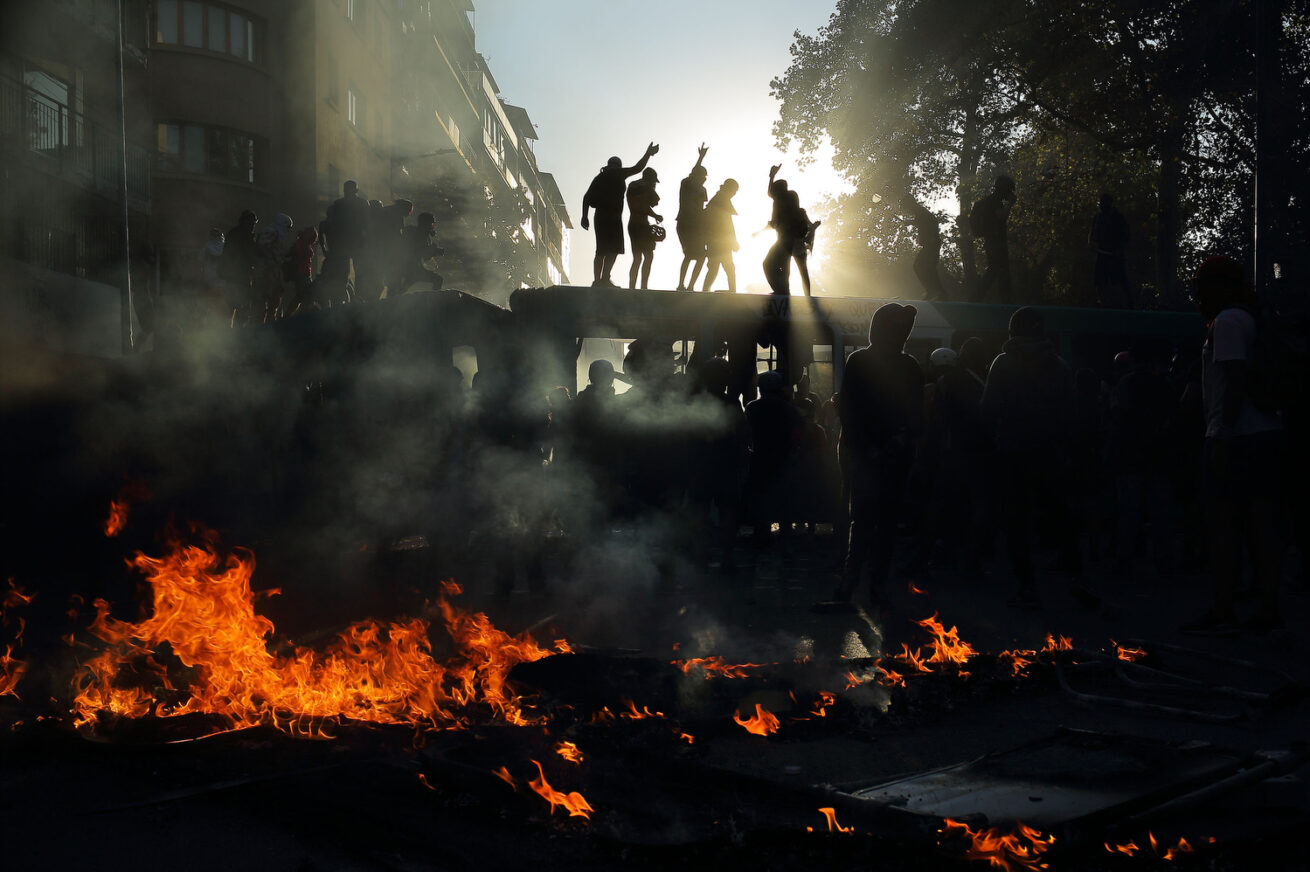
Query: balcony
{"type": "Point", "coordinates": [66, 144]}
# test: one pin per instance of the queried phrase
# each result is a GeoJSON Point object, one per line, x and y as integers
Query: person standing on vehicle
{"type": "Point", "coordinates": [605, 195]}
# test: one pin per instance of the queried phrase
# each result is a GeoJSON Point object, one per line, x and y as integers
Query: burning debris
{"type": "Point", "coordinates": [762, 723]}
{"type": "Point", "coordinates": [1021, 849]}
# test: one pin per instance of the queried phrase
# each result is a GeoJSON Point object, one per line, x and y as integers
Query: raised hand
{"type": "Point", "coordinates": [652, 150]}
{"type": "Point", "coordinates": [773, 170]}
{"type": "Point", "coordinates": [702, 150]}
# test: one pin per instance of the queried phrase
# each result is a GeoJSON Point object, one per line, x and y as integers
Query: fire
{"type": "Point", "coordinates": [946, 645]}
{"type": "Point", "coordinates": [892, 678]}
{"type": "Point", "coordinates": [833, 826]}
{"type": "Point", "coordinates": [1129, 848]}
{"type": "Point", "coordinates": [633, 714]}
{"type": "Point", "coordinates": [714, 666]}
{"type": "Point", "coordinates": [11, 671]}
{"type": "Point", "coordinates": [825, 699]}
{"type": "Point", "coordinates": [203, 611]}
{"type": "Point", "coordinates": [1020, 659]}
{"type": "Point", "coordinates": [117, 519]}
{"type": "Point", "coordinates": [1021, 849]}
{"type": "Point", "coordinates": [691, 740]}
{"type": "Point", "coordinates": [853, 680]}
{"type": "Point", "coordinates": [1129, 654]}
{"type": "Point", "coordinates": [563, 646]}
{"type": "Point", "coordinates": [914, 659]}
{"type": "Point", "coordinates": [762, 723]}
{"type": "Point", "coordinates": [1170, 854]}
{"type": "Point", "coordinates": [569, 752]}
{"type": "Point", "coordinates": [572, 802]}
{"type": "Point", "coordinates": [503, 774]}
{"type": "Point", "coordinates": [11, 668]}
{"type": "Point", "coordinates": [1064, 643]}
{"type": "Point", "coordinates": [1181, 848]}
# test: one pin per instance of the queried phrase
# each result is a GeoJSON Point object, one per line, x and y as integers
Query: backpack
{"type": "Point", "coordinates": [1280, 356]}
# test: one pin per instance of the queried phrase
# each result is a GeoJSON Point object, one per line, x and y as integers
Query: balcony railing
{"type": "Point", "coordinates": [72, 146]}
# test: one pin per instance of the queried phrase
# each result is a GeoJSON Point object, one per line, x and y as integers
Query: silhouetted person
{"type": "Point", "coordinates": [691, 222]}
{"type": "Point", "coordinates": [881, 409]}
{"type": "Point", "coordinates": [1244, 447]}
{"type": "Point", "coordinates": [718, 477]}
{"type": "Point", "coordinates": [930, 246]}
{"type": "Point", "coordinates": [605, 195]}
{"type": "Point", "coordinates": [988, 220]}
{"type": "Point", "coordinates": [642, 200]}
{"type": "Point", "coordinates": [721, 236]}
{"type": "Point", "coordinates": [1109, 239]}
{"type": "Point", "coordinates": [966, 453]}
{"type": "Point", "coordinates": [1028, 403]}
{"type": "Point", "coordinates": [795, 237]}
{"type": "Point", "coordinates": [418, 247]}
{"type": "Point", "coordinates": [274, 243]}
{"type": "Point", "coordinates": [302, 267]}
{"type": "Point", "coordinates": [238, 263]}
{"type": "Point", "coordinates": [776, 429]}
{"type": "Point", "coordinates": [387, 240]}
{"type": "Point", "coordinates": [345, 232]}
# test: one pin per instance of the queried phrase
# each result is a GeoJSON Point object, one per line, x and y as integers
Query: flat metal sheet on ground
{"type": "Point", "coordinates": [1056, 781]}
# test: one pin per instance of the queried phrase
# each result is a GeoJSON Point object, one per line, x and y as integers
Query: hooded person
{"type": "Point", "coordinates": [881, 409]}
{"type": "Point", "coordinates": [1028, 406]}
{"type": "Point", "coordinates": [605, 195]}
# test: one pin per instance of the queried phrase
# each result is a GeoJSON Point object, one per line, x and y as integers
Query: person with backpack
{"type": "Point", "coordinates": [1243, 465]}
{"type": "Point", "coordinates": [345, 232]}
{"type": "Point", "coordinates": [987, 221]}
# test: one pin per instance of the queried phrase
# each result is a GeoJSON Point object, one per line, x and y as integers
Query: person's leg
{"type": "Point", "coordinates": [682, 274]}
{"type": "Point", "coordinates": [597, 268]}
{"type": "Point", "coordinates": [647, 259]}
{"type": "Point", "coordinates": [608, 268]}
{"type": "Point", "coordinates": [730, 271]}
{"type": "Point", "coordinates": [711, 273]}
{"type": "Point", "coordinates": [802, 263]}
{"type": "Point", "coordinates": [695, 271]}
{"type": "Point", "coordinates": [636, 267]}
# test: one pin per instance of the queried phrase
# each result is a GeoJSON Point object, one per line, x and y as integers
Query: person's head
{"type": "Point", "coordinates": [614, 163]}
{"type": "Point", "coordinates": [1027, 323]}
{"type": "Point", "coordinates": [649, 176]}
{"type": "Point", "coordinates": [1106, 203]}
{"type": "Point", "coordinates": [283, 222]}
{"type": "Point", "coordinates": [309, 234]}
{"type": "Point", "coordinates": [730, 187]}
{"type": "Point", "coordinates": [406, 207]}
{"type": "Point", "coordinates": [559, 397]}
{"type": "Point", "coordinates": [1124, 363]}
{"type": "Point", "coordinates": [699, 174]}
{"type": "Point", "coordinates": [349, 188]}
{"type": "Point", "coordinates": [1004, 186]}
{"type": "Point", "coordinates": [248, 219]}
{"type": "Point", "coordinates": [772, 384]}
{"type": "Point", "coordinates": [601, 373]}
{"type": "Point", "coordinates": [778, 187]}
{"type": "Point", "coordinates": [973, 355]}
{"type": "Point", "coordinates": [1219, 282]}
{"type": "Point", "coordinates": [426, 220]}
{"type": "Point", "coordinates": [890, 326]}
{"type": "Point", "coordinates": [942, 359]}
{"type": "Point", "coordinates": [791, 198]}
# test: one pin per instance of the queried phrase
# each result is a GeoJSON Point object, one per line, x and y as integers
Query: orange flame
{"type": "Point", "coordinates": [423, 779]}
{"type": "Point", "coordinates": [1181, 848]}
{"type": "Point", "coordinates": [914, 659]}
{"type": "Point", "coordinates": [1021, 849]}
{"type": "Point", "coordinates": [1129, 654]}
{"type": "Point", "coordinates": [572, 802]}
{"type": "Point", "coordinates": [117, 519]}
{"type": "Point", "coordinates": [1128, 848]}
{"type": "Point", "coordinates": [1170, 854]}
{"type": "Point", "coordinates": [825, 700]}
{"type": "Point", "coordinates": [1064, 643]}
{"type": "Point", "coordinates": [689, 737]}
{"type": "Point", "coordinates": [892, 678]}
{"type": "Point", "coordinates": [853, 680]}
{"type": "Point", "coordinates": [569, 752]}
{"type": "Point", "coordinates": [203, 610]}
{"type": "Point", "coordinates": [563, 646]}
{"type": "Point", "coordinates": [833, 826]}
{"type": "Point", "coordinates": [1020, 659]}
{"type": "Point", "coordinates": [762, 723]}
{"type": "Point", "coordinates": [11, 671]}
{"type": "Point", "coordinates": [714, 666]}
{"type": "Point", "coordinates": [633, 715]}
{"type": "Point", "coordinates": [946, 645]}
{"type": "Point", "coordinates": [503, 774]}
{"type": "Point", "coordinates": [11, 668]}
{"type": "Point", "coordinates": [915, 590]}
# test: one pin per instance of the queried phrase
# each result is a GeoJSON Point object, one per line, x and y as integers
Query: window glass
{"type": "Point", "coordinates": [216, 154]}
{"type": "Point", "coordinates": [239, 35]}
{"type": "Point", "coordinates": [169, 146]}
{"type": "Point", "coordinates": [217, 29]}
{"type": "Point", "coordinates": [250, 40]}
{"type": "Point", "coordinates": [193, 149]}
{"type": "Point", "coordinates": [193, 24]}
{"type": "Point", "coordinates": [166, 21]}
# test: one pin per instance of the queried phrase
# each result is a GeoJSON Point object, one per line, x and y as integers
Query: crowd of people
{"type": "Point", "coordinates": [1172, 457]}
{"type": "Point", "coordinates": [362, 250]}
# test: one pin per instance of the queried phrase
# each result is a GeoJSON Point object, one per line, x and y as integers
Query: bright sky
{"type": "Point", "coordinates": [605, 78]}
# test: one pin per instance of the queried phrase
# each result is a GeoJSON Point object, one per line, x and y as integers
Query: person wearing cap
{"type": "Point", "coordinates": [692, 197]}
{"type": "Point", "coordinates": [605, 195]}
{"type": "Point", "coordinates": [345, 232]}
{"type": "Point", "coordinates": [987, 220]}
{"type": "Point", "coordinates": [1243, 461]}
{"type": "Point", "coordinates": [1028, 405]}
{"type": "Point", "coordinates": [642, 200]}
{"type": "Point", "coordinates": [881, 409]}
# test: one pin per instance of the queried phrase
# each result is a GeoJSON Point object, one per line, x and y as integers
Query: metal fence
{"type": "Point", "coordinates": [72, 145]}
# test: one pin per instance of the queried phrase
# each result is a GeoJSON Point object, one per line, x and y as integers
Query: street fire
{"type": "Point", "coordinates": [203, 612]}
{"type": "Point", "coordinates": [946, 645]}
{"type": "Point", "coordinates": [714, 666]}
{"type": "Point", "coordinates": [833, 825]}
{"type": "Point", "coordinates": [762, 723]}
{"type": "Point", "coordinates": [1021, 849]}
{"type": "Point", "coordinates": [825, 699]}
{"type": "Point", "coordinates": [11, 671]}
{"type": "Point", "coordinates": [571, 802]}
{"type": "Point", "coordinates": [117, 519]}
{"type": "Point", "coordinates": [1063, 643]}
{"type": "Point", "coordinates": [569, 752]}
{"type": "Point", "coordinates": [633, 714]}
{"type": "Point", "coordinates": [914, 659]}
{"type": "Point", "coordinates": [1129, 654]}
{"type": "Point", "coordinates": [1019, 659]}
{"type": "Point", "coordinates": [11, 668]}
{"type": "Point", "coordinates": [1169, 854]}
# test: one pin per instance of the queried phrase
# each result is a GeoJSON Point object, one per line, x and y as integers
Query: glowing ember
{"type": "Point", "coordinates": [914, 589]}
{"type": "Point", "coordinates": [1170, 854]}
{"type": "Point", "coordinates": [633, 714]}
{"type": "Point", "coordinates": [762, 723]}
{"type": "Point", "coordinates": [11, 671]}
{"type": "Point", "coordinates": [1128, 848]}
{"type": "Point", "coordinates": [1021, 849]}
{"type": "Point", "coordinates": [914, 659]}
{"type": "Point", "coordinates": [825, 699]}
{"type": "Point", "coordinates": [203, 612]}
{"type": "Point", "coordinates": [563, 646]}
{"type": "Point", "coordinates": [11, 668]}
{"type": "Point", "coordinates": [1020, 659]}
{"type": "Point", "coordinates": [892, 678]}
{"type": "Point", "coordinates": [1129, 654]}
{"type": "Point", "coordinates": [1181, 848]}
{"type": "Point", "coordinates": [572, 802]}
{"type": "Point", "coordinates": [946, 645]}
{"type": "Point", "coordinates": [503, 774]}
{"type": "Point", "coordinates": [853, 680]}
{"type": "Point", "coordinates": [1064, 643]}
{"type": "Point", "coordinates": [714, 666]}
{"type": "Point", "coordinates": [688, 736]}
{"type": "Point", "coordinates": [833, 826]}
{"type": "Point", "coordinates": [569, 752]}
{"type": "Point", "coordinates": [423, 779]}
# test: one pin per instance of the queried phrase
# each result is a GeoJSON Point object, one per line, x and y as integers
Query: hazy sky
{"type": "Point", "coordinates": [606, 78]}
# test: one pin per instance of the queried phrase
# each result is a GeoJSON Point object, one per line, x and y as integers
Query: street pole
{"type": "Point", "coordinates": [125, 295]}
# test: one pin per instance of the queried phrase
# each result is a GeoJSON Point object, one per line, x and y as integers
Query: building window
{"type": "Point", "coordinates": [354, 106]}
{"type": "Point", "coordinates": [209, 151]}
{"type": "Point", "coordinates": [350, 10]}
{"type": "Point", "coordinates": [208, 26]}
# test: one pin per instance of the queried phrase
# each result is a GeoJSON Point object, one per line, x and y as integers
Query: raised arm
{"type": "Point", "coordinates": [651, 151]}
{"type": "Point", "coordinates": [700, 155]}
{"type": "Point", "coordinates": [773, 173]}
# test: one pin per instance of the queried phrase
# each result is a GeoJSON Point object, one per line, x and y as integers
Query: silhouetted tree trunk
{"type": "Point", "coordinates": [964, 195]}
{"type": "Point", "coordinates": [1170, 146]}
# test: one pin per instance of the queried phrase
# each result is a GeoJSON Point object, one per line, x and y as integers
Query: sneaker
{"type": "Point", "coordinates": [1211, 624]}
